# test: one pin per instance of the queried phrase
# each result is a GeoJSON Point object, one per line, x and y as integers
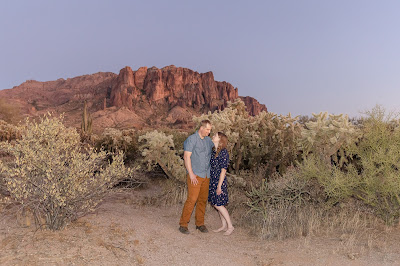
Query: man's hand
{"type": "Point", "coordinates": [193, 179]}
{"type": "Point", "coordinates": [188, 165]}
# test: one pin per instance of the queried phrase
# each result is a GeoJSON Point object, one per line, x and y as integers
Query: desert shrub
{"type": "Point", "coordinates": [233, 121]}
{"type": "Point", "coordinates": [238, 186]}
{"type": "Point", "coordinates": [329, 137]}
{"type": "Point", "coordinates": [337, 185]}
{"type": "Point", "coordinates": [9, 112]}
{"type": "Point", "coordinates": [366, 165]}
{"type": "Point", "coordinates": [290, 188]}
{"type": "Point", "coordinates": [378, 157]}
{"type": "Point", "coordinates": [256, 140]}
{"type": "Point", "coordinates": [114, 140]}
{"type": "Point", "coordinates": [173, 192]}
{"type": "Point", "coordinates": [178, 138]}
{"type": "Point", "coordinates": [297, 204]}
{"type": "Point", "coordinates": [53, 176]}
{"type": "Point", "coordinates": [8, 132]}
{"type": "Point", "coordinates": [277, 141]}
{"type": "Point", "coordinates": [303, 119]}
{"type": "Point", "coordinates": [158, 148]}
{"type": "Point", "coordinates": [284, 206]}
{"type": "Point", "coordinates": [288, 221]}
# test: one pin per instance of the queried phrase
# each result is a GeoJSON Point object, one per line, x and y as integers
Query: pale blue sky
{"type": "Point", "coordinates": [293, 56]}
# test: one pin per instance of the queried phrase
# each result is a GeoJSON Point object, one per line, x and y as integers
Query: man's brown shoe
{"type": "Point", "coordinates": [184, 230]}
{"type": "Point", "coordinates": [202, 228]}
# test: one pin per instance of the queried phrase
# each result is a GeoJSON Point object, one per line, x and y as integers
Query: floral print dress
{"type": "Point", "coordinates": [217, 164]}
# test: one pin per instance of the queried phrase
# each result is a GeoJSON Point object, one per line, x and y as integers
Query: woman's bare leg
{"type": "Point", "coordinates": [224, 212]}
{"type": "Point", "coordinates": [224, 226]}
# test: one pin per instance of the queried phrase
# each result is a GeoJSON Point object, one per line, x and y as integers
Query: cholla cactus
{"type": "Point", "coordinates": [277, 140]}
{"type": "Point", "coordinates": [263, 139]}
{"type": "Point", "coordinates": [233, 121]}
{"type": "Point", "coordinates": [54, 176]}
{"type": "Point", "coordinates": [8, 131]}
{"type": "Point", "coordinates": [329, 136]}
{"type": "Point", "coordinates": [113, 139]}
{"type": "Point", "coordinates": [158, 148]}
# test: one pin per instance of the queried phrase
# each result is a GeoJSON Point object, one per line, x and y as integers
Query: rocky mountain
{"type": "Point", "coordinates": [147, 97]}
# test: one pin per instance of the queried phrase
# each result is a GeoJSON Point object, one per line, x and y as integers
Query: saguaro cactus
{"type": "Point", "coordinates": [86, 125]}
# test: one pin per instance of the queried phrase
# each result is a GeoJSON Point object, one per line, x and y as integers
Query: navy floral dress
{"type": "Point", "coordinates": [216, 165]}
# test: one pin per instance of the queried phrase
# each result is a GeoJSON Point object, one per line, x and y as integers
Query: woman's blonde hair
{"type": "Point", "coordinates": [223, 142]}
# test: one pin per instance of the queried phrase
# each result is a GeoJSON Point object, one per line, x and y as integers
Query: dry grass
{"type": "Point", "coordinates": [174, 192]}
{"type": "Point", "coordinates": [355, 230]}
{"type": "Point", "coordinates": [126, 233]}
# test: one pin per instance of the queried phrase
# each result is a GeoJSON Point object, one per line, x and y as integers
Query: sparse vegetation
{"type": "Point", "coordinates": [287, 178]}
{"type": "Point", "coordinates": [8, 112]}
{"type": "Point", "coordinates": [308, 173]}
{"type": "Point", "coordinates": [114, 140]}
{"type": "Point", "coordinates": [378, 163]}
{"type": "Point", "coordinates": [53, 176]}
{"type": "Point", "coordinates": [9, 132]}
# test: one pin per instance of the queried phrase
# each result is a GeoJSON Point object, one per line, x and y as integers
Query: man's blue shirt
{"type": "Point", "coordinates": [201, 153]}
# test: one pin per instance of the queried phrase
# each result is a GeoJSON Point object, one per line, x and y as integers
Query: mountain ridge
{"type": "Point", "coordinates": [147, 97]}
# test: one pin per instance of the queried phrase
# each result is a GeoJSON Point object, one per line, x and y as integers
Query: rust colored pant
{"type": "Point", "coordinates": [197, 195]}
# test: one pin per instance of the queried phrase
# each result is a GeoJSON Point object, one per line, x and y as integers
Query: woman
{"type": "Point", "coordinates": [218, 192]}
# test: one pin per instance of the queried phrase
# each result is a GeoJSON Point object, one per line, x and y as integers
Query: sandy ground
{"type": "Point", "coordinates": [124, 232]}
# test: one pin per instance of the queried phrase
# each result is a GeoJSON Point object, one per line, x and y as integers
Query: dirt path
{"type": "Point", "coordinates": [121, 232]}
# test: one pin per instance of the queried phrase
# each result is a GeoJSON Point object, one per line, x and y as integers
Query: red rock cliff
{"type": "Point", "coordinates": [175, 86]}
{"type": "Point", "coordinates": [147, 97]}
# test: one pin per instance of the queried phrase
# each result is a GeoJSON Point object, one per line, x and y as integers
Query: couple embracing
{"type": "Point", "coordinates": [206, 162]}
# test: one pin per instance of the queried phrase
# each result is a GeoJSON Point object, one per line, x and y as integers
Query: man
{"type": "Point", "coordinates": [197, 154]}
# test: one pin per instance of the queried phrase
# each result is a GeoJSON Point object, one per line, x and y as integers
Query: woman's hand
{"type": "Point", "coordinates": [219, 191]}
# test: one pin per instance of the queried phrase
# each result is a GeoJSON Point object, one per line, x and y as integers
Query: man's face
{"type": "Point", "coordinates": [205, 130]}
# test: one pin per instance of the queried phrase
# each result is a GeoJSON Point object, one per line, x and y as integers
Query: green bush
{"type": "Point", "coordinates": [367, 160]}
{"type": "Point", "coordinates": [378, 161]}
{"type": "Point", "coordinates": [56, 178]}
{"type": "Point", "coordinates": [337, 185]}
{"type": "Point", "coordinates": [8, 132]}
{"type": "Point", "coordinates": [114, 140]}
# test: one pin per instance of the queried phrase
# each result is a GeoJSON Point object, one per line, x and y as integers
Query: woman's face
{"type": "Point", "coordinates": [216, 138]}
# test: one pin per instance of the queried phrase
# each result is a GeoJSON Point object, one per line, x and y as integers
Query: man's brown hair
{"type": "Point", "coordinates": [204, 123]}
